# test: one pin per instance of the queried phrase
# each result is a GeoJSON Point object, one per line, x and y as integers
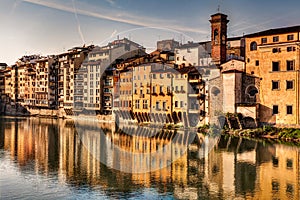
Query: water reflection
{"type": "Point", "coordinates": [60, 151]}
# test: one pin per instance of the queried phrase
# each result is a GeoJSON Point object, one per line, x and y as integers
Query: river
{"type": "Point", "coordinates": [65, 159]}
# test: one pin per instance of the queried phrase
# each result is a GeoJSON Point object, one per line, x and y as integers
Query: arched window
{"type": "Point", "coordinates": [253, 46]}
{"type": "Point", "coordinates": [216, 34]}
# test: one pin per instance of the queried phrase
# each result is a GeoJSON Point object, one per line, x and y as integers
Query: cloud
{"type": "Point", "coordinates": [120, 17]}
{"type": "Point", "coordinates": [111, 2]}
{"type": "Point", "coordinates": [78, 23]}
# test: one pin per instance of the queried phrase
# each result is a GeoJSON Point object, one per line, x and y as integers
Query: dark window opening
{"type": "Point", "coordinates": [275, 85]}
{"type": "Point", "coordinates": [289, 85]}
{"type": "Point", "coordinates": [289, 110]}
{"type": "Point", "coordinates": [289, 163]}
{"type": "Point", "coordinates": [275, 111]}
{"type": "Point", "coordinates": [257, 63]}
{"type": "Point", "coordinates": [264, 40]}
{"type": "Point", "coordinates": [276, 50]}
{"type": "Point", "coordinates": [275, 160]}
{"type": "Point", "coordinates": [275, 66]}
{"type": "Point", "coordinates": [290, 65]}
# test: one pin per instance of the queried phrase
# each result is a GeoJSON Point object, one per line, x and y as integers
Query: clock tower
{"type": "Point", "coordinates": [218, 38]}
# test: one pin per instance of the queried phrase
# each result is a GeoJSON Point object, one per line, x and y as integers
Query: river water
{"type": "Point", "coordinates": [65, 159]}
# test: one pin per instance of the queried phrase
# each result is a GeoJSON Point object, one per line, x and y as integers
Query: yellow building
{"type": "Point", "coordinates": [141, 92]}
{"type": "Point", "coordinates": [274, 56]}
{"type": "Point", "coordinates": [161, 96]}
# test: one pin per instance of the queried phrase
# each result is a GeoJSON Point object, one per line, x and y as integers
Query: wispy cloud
{"type": "Point", "coordinates": [78, 23]}
{"type": "Point", "coordinates": [121, 17]}
{"type": "Point", "coordinates": [111, 2]}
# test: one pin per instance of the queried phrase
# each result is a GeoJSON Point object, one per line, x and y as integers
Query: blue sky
{"type": "Point", "coordinates": [53, 26]}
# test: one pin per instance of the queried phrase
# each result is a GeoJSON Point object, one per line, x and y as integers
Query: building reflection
{"type": "Point", "coordinates": [175, 161]}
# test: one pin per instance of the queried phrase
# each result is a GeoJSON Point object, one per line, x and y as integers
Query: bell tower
{"type": "Point", "coordinates": [218, 38]}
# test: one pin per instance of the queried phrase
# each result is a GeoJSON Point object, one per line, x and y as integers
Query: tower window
{"type": "Point", "coordinates": [253, 46]}
{"type": "Point", "coordinates": [216, 33]}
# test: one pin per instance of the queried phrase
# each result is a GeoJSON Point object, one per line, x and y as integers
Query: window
{"type": "Point", "coordinates": [164, 105]}
{"type": "Point", "coordinates": [183, 58]}
{"type": "Point", "coordinates": [181, 104]}
{"type": "Point", "coordinates": [275, 66]}
{"type": "Point", "coordinates": [154, 89]}
{"type": "Point", "coordinates": [161, 89]}
{"type": "Point", "coordinates": [176, 104]}
{"type": "Point", "coordinates": [289, 85]}
{"type": "Point", "coordinates": [276, 39]}
{"type": "Point", "coordinates": [289, 110]}
{"type": "Point", "coordinates": [216, 34]}
{"type": "Point", "coordinates": [154, 76]}
{"type": "Point", "coordinates": [289, 49]}
{"type": "Point", "coordinates": [276, 50]}
{"type": "Point", "coordinates": [289, 164]}
{"type": "Point", "coordinates": [290, 37]}
{"type": "Point", "coordinates": [275, 109]}
{"type": "Point", "coordinates": [137, 104]}
{"type": "Point", "coordinates": [290, 65]}
{"type": "Point", "coordinates": [145, 104]}
{"type": "Point", "coordinates": [264, 40]}
{"type": "Point", "coordinates": [275, 186]}
{"type": "Point", "coordinates": [161, 76]}
{"type": "Point", "coordinates": [253, 46]}
{"type": "Point", "coordinates": [275, 85]}
{"type": "Point", "coordinates": [257, 63]}
{"type": "Point", "coordinates": [157, 105]}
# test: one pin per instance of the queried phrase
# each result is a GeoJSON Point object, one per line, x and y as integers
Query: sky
{"type": "Point", "coordinates": [49, 27]}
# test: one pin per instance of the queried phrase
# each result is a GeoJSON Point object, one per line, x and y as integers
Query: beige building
{"type": "Point", "coordinates": [273, 56]}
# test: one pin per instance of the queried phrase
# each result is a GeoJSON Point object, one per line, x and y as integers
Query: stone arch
{"type": "Point", "coordinates": [251, 90]}
{"type": "Point", "coordinates": [249, 122]}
